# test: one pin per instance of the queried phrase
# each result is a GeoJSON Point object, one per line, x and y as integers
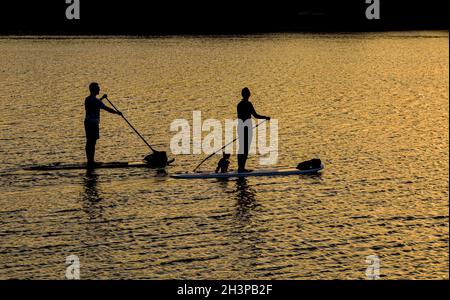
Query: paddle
{"type": "Point", "coordinates": [151, 148]}
{"type": "Point", "coordinates": [223, 148]}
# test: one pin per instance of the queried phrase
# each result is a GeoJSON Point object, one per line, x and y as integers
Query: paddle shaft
{"type": "Point", "coordinates": [132, 127]}
{"type": "Point", "coordinates": [223, 148]}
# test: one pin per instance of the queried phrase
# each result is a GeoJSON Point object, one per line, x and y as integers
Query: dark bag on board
{"type": "Point", "coordinates": [157, 159]}
{"type": "Point", "coordinates": [310, 164]}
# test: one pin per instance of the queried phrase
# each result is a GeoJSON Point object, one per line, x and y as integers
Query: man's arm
{"type": "Point", "coordinates": [113, 111]}
{"type": "Point", "coordinates": [108, 109]}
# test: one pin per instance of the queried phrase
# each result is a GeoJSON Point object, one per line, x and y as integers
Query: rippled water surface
{"type": "Point", "coordinates": [373, 107]}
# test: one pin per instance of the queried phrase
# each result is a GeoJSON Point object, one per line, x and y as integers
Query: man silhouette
{"type": "Point", "coordinates": [245, 111]}
{"type": "Point", "coordinates": [92, 106]}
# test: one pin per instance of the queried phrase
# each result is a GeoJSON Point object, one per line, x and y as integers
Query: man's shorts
{"type": "Point", "coordinates": [92, 130]}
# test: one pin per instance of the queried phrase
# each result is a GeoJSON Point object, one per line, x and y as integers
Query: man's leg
{"type": "Point", "coordinates": [90, 150]}
{"type": "Point", "coordinates": [92, 134]}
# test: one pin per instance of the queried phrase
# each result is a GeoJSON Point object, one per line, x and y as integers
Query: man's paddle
{"type": "Point", "coordinates": [151, 148]}
{"type": "Point", "coordinates": [157, 158]}
{"type": "Point", "coordinates": [223, 148]}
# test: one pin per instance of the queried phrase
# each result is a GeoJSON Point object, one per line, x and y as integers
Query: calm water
{"type": "Point", "coordinates": [373, 107]}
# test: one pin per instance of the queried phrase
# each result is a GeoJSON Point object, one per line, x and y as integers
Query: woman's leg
{"type": "Point", "coordinates": [242, 158]}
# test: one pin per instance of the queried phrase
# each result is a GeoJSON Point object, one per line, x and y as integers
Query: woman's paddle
{"type": "Point", "coordinates": [223, 148]}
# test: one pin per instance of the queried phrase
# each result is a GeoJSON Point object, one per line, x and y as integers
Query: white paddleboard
{"type": "Point", "coordinates": [235, 174]}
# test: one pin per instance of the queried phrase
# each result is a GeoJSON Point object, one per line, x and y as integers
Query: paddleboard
{"type": "Point", "coordinates": [255, 173]}
{"type": "Point", "coordinates": [83, 166]}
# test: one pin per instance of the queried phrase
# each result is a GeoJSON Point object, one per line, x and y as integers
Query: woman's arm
{"type": "Point", "coordinates": [258, 116]}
